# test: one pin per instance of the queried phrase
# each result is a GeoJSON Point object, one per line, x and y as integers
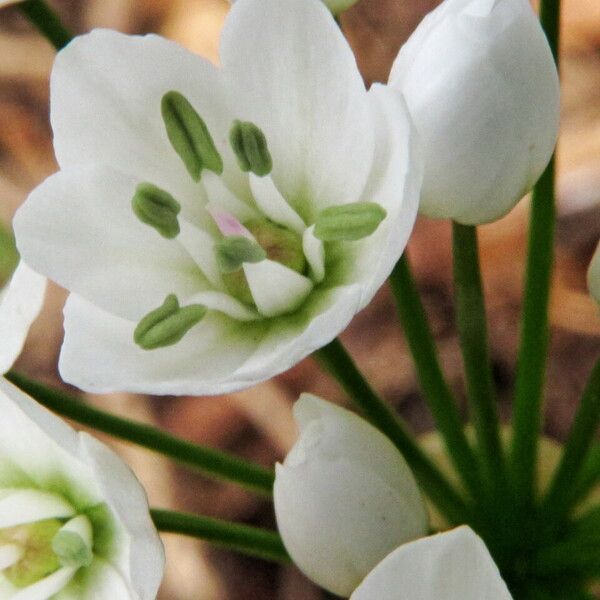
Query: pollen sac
{"type": "Point", "coordinates": [348, 222]}
{"type": "Point", "coordinates": [167, 324]}
{"type": "Point", "coordinates": [250, 147]}
{"type": "Point", "coordinates": [156, 208]}
{"type": "Point", "coordinates": [189, 135]}
{"type": "Point", "coordinates": [233, 251]}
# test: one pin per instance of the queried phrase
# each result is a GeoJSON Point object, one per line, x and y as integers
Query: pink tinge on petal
{"type": "Point", "coordinates": [227, 223]}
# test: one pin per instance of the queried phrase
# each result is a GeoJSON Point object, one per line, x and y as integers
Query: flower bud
{"type": "Point", "coordinates": [344, 497]}
{"type": "Point", "coordinates": [481, 85]}
{"type": "Point", "coordinates": [593, 275]}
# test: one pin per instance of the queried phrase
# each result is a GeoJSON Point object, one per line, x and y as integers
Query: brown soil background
{"type": "Point", "coordinates": [257, 423]}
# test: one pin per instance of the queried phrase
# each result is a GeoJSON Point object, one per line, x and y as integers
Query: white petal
{"type": "Point", "coordinates": [394, 184]}
{"type": "Point", "coordinates": [127, 499]}
{"type": "Point", "coordinates": [106, 91]}
{"type": "Point", "coordinates": [454, 565]}
{"type": "Point", "coordinates": [217, 356]}
{"type": "Point", "coordinates": [338, 521]}
{"type": "Point", "coordinates": [47, 587]}
{"type": "Point", "coordinates": [99, 354]}
{"type": "Point", "coordinates": [39, 445]}
{"type": "Point", "coordinates": [293, 74]}
{"type": "Point", "coordinates": [314, 251]}
{"type": "Point", "coordinates": [273, 205]}
{"type": "Point", "coordinates": [481, 84]}
{"type": "Point", "coordinates": [28, 506]}
{"type": "Point", "coordinates": [20, 304]}
{"type": "Point", "coordinates": [593, 275]}
{"type": "Point", "coordinates": [275, 288]}
{"type": "Point", "coordinates": [78, 228]}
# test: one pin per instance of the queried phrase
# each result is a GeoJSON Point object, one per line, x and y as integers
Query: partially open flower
{"type": "Point", "coordinates": [20, 303]}
{"type": "Point", "coordinates": [593, 275]}
{"type": "Point", "coordinates": [455, 565]}
{"type": "Point", "coordinates": [481, 85]}
{"type": "Point", "coordinates": [215, 226]}
{"type": "Point", "coordinates": [344, 497]}
{"type": "Point", "coordinates": [74, 520]}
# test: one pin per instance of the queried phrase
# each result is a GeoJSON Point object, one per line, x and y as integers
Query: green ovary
{"type": "Point", "coordinates": [38, 559]}
{"type": "Point", "coordinates": [281, 245]}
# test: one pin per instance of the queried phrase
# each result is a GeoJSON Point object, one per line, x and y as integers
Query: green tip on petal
{"type": "Point", "coordinates": [72, 549]}
{"type": "Point", "coordinates": [234, 250]}
{"type": "Point", "coordinates": [250, 147]}
{"type": "Point", "coordinates": [156, 208]}
{"type": "Point", "coordinates": [189, 135]}
{"type": "Point", "coordinates": [167, 324]}
{"type": "Point", "coordinates": [348, 222]}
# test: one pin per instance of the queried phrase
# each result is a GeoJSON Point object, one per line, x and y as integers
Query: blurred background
{"type": "Point", "coordinates": [257, 423]}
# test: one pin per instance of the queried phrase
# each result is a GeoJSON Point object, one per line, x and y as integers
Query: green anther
{"type": "Point", "coordinates": [38, 560]}
{"type": "Point", "coordinates": [189, 135]}
{"type": "Point", "coordinates": [72, 549]}
{"type": "Point", "coordinates": [233, 251]}
{"type": "Point", "coordinates": [156, 208]}
{"type": "Point", "coordinates": [348, 222]}
{"type": "Point", "coordinates": [167, 324]}
{"type": "Point", "coordinates": [250, 147]}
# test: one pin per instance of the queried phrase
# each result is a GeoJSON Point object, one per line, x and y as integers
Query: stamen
{"type": "Point", "coordinates": [250, 147]}
{"type": "Point", "coordinates": [167, 324]}
{"type": "Point", "coordinates": [156, 208]}
{"type": "Point", "coordinates": [189, 135]}
{"type": "Point", "coordinates": [348, 222]}
{"type": "Point", "coordinates": [73, 543]}
{"type": "Point", "coordinates": [233, 251]}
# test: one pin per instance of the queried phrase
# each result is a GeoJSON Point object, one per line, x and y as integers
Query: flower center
{"type": "Point", "coordinates": [268, 258]}
{"type": "Point", "coordinates": [35, 549]}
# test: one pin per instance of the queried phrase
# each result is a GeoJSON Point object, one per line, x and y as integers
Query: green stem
{"type": "Point", "coordinates": [531, 365]}
{"type": "Point", "coordinates": [589, 477]}
{"type": "Point", "coordinates": [47, 22]}
{"type": "Point", "coordinates": [436, 391]}
{"type": "Point", "coordinates": [246, 539]}
{"type": "Point", "coordinates": [211, 462]}
{"type": "Point", "coordinates": [472, 329]}
{"type": "Point", "coordinates": [558, 501]}
{"type": "Point", "coordinates": [340, 365]}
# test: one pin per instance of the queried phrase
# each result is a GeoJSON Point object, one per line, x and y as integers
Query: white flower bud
{"type": "Point", "coordinates": [481, 84]}
{"type": "Point", "coordinates": [344, 497]}
{"type": "Point", "coordinates": [593, 275]}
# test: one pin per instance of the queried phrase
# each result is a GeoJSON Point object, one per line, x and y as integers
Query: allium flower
{"type": "Point", "coordinates": [454, 565]}
{"type": "Point", "coordinates": [215, 226]}
{"type": "Point", "coordinates": [74, 520]}
{"type": "Point", "coordinates": [481, 85]}
{"type": "Point", "coordinates": [344, 497]}
{"type": "Point", "coordinates": [20, 303]}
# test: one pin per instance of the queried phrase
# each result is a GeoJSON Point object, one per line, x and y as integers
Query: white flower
{"type": "Point", "coordinates": [74, 521]}
{"type": "Point", "coordinates": [344, 497]}
{"type": "Point", "coordinates": [593, 275]}
{"type": "Point", "coordinates": [454, 565]}
{"type": "Point", "coordinates": [20, 303]}
{"type": "Point", "coordinates": [481, 85]}
{"type": "Point", "coordinates": [281, 146]}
